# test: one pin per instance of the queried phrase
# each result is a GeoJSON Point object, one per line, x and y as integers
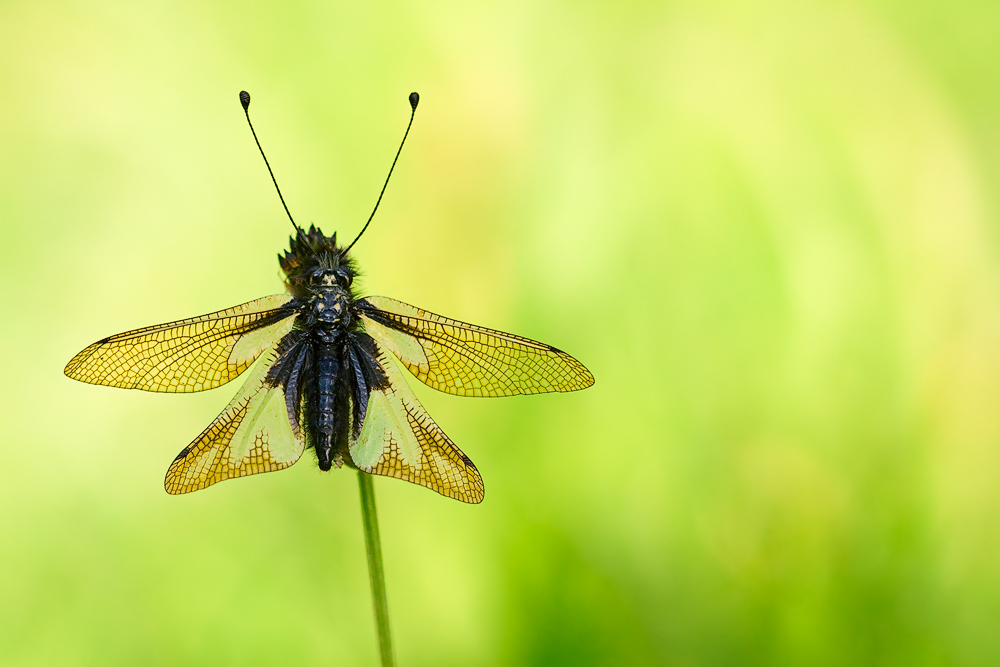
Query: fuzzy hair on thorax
{"type": "Point", "coordinates": [311, 254]}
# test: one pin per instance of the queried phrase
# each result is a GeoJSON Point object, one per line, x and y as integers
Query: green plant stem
{"type": "Point", "coordinates": [375, 572]}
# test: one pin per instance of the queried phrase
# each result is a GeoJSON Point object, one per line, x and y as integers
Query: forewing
{"type": "Point", "coordinates": [469, 360]}
{"type": "Point", "coordinates": [188, 355]}
{"type": "Point", "coordinates": [399, 439]}
{"type": "Point", "coordinates": [252, 435]}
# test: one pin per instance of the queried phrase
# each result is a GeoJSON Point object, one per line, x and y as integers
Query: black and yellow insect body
{"type": "Point", "coordinates": [326, 376]}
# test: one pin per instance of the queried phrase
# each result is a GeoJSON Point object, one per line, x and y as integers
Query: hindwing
{"type": "Point", "coordinates": [254, 434]}
{"type": "Point", "coordinates": [399, 439]}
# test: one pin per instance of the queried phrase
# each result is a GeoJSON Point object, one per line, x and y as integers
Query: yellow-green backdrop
{"type": "Point", "coordinates": [770, 230]}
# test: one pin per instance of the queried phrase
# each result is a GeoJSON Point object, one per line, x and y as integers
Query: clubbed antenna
{"type": "Point", "coordinates": [414, 100]}
{"type": "Point", "coordinates": [245, 101]}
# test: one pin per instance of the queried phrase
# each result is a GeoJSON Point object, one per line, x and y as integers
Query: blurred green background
{"type": "Point", "coordinates": [770, 230]}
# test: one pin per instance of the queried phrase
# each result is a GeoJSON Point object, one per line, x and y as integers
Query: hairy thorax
{"type": "Point", "coordinates": [329, 312]}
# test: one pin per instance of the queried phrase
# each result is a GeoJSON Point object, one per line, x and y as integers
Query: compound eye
{"type": "Point", "coordinates": [345, 277]}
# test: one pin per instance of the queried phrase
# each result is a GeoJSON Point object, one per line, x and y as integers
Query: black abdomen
{"type": "Point", "coordinates": [326, 374]}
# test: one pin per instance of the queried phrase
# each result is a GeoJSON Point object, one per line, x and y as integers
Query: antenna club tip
{"type": "Point", "coordinates": [245, 100]}
{"type": "Point", "coordinates": [414, 100]}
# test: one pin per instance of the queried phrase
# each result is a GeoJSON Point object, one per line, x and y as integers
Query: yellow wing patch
{"type": "Point", "coordinates": [188, 355]}
{"type": "Point", "coordinates": [252, 435]}
{"type": "Point", "coordinates": [469, 360]}
{"type": "Point", "coordinates": [399, 439]}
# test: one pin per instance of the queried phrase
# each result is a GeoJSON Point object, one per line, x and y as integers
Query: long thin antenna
{"type": "Point", "coordinates": [245, 101]}
{"type": "Point", "coordinates": [414, 100]}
